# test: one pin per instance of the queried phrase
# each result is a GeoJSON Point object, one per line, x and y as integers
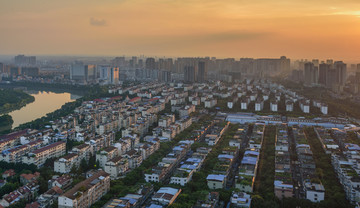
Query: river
{"type": "Point", "coordinates": [45, 102]}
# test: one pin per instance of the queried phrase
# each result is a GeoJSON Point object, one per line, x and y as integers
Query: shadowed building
{"type": "Point", "coordinates": [202, 72]}
{"type": "Point", "coordinates": [189, 74]}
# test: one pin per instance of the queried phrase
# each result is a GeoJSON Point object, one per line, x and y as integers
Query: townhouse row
{"type": "Point", "coordinates": [311, 184]}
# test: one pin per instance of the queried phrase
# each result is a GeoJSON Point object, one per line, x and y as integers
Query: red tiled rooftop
{"type": "Point", "coordinates": [18, 148]}
{"type": "Point", "coordinates": [54, 190]}
{"type": "Point", "coordinates": [116, 159]}
{"type": "Point", "coordinates": [131, 152]}
{"type": "Point", "coordinates": [86, 183]}
{"type": "Point", "coordinates": [33, 205]}
{"type": "Point", "coordinates": [167, 196]}
{"type": "Point", "coordinates": [99, 100]}
{"type": "Point", "coordinates": [63, 179]}
{"type": "Point", "coordinates": [57, 190]}
{"type": "Point", "coordinates": [109, 149]}
{"type": "Point", "coordinates": [30, 176]}
{"type": "Point", "coordinates": [48, 147]}
{"type": "Point", "coordinates": [69, 156]}
{"type": "Point", "coordinates": [14, 134]}
{"type": "Point", "coordinates": [135, 99]}
{"type": "Point", "coordinates": [35, 142]}
{"type": "Point", "coordinates": [116, 97]}
{"type": "Point", "coordinates": [9, 172]}
{"type": "Point", "coordinates": [11, 196]}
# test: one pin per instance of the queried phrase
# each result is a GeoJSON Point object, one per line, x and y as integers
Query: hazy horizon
{"type": "Point", "coordinates": [297, 29]}
{"type": "Point", "coordinates": [10, 57]}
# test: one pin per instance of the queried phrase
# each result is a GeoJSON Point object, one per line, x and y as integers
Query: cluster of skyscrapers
{"type": "Point", "coordinates": [160, 69]}
{"type": "Point", "coordinates": [22, 60]}
{"type": "Point", "coordinates": [23, 65]}
{"type": "Point", "coordinates": [187, 69]}
{"type": "Point", "coordinates": [90, 73]}
{"type": "Point", "coordinates": [332, 75]}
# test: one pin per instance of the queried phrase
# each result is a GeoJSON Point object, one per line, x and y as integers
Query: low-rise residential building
{"type": "Point", "coordinates": [212, 139]}
{"type": "Point", "coordinates": [28, 178]}
{"type": "Point", "coordinates": [289, 106]}
{"type": "Point", "coordinates": [62, 182]}
{"type": "Point", "coordinates": [283, 184]}
{"type": "Point", "coordinates": [324, 109]}
{"type": "Point", "coordinates": [315, 192]}
{"type": "Point", "coordinates": [244, 103]}
{"type": "Point", "coordinates": [48, 198]}
{"type": "Point", "coordinates": [117, 167]}
{"type": "Point", "coordinates": [105, 155]}
{"type": "Point", "coordinates": [216, 181]}
{"type": "Point", "coordinates": [283, 189]}
{"type": "Point", "coordinates": [305, 106]}
{"type": "Point", "coordinates": [8, 173]}
{"type": "Point", "coordinates": [247, 171]}
{"type": "Point", "coordinates": [184, 173]}
{"type": "Point", "coordinates": [26, 193]}
{"type": "Point", "coordinates": [87, 192]}
{"type": "Point", "coordinates": [348, 177]}
{"type": "Point", "coordinates": [166, 120]}
{"type": "Point", "coordinates": [210, 103]}
{"type": "Point", "coordinates": [274, 106]}
{"type": "Point", "coordinates": [235, 143]}
{"type": "Point", "coordinates": [167, 165]}
{"type": "Point", "coordinates": [240, 199]}
{"type": "Point", "coordinates": [166, 195]}
{"type": "Point", "coordinates": [134, 200]}
{"type": "Point", "coordinates": [64, 164]}
{"type": "Point", "coordinates": [14, 155]}
{"type": "Point", "coordinates": [328, 143]}
{"type": "Point", "coordinates": [184, 123]}
{"type": "Point", "coordinates": [148, 149]}
{"type": "Point", "coordinates": [196, 101]}
{"type": "Point", "coordinates": [245, 183]}
{"type": "Point", "coordinates": [186, 111]}
{"type": "Point", "coordinates": [134, 158]}
{"type": "Point", "coordinates": [83, 150]}
{"type": "Point", "coordinates": [259, 105]}
{"type": "Point", "coordinates": [181, 177]}
{"type": "Point", "coordinates": [39, 156]}
{"type": "Point", "coordinates": [10, 140]}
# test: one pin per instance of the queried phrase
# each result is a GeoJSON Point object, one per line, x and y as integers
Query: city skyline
{"type": "Point", "coordinates": [299, 29]}
{"type": "Point", "coordinates": [180, 103]}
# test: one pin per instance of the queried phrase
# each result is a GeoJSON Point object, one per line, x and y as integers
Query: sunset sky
{"type": "Point", "coordinates": [222, 28]}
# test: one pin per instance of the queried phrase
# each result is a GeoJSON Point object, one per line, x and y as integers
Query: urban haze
{"type": "Point", "coordinates": [180, 104]}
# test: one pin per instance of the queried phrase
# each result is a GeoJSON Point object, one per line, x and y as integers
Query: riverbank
{"type": "Point", "coordinates": [48, 87]}
{"type": "Point", "coordinates": [5, 124]}
{"type": "Point", "coordinates": [45, 102]}
{"type": "Point", "coordinates": [13, 100]}
{"type": "Point", "coordinates": [89, 93]}
{"type": "Point", "coordinates": [92, 93]}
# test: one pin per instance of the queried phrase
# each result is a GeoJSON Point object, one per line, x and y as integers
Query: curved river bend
{"type": "Point", "coordinates": [45, 102]}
